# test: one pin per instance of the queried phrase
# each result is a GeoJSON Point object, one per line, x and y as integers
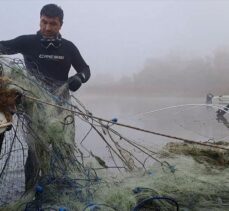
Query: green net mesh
{"type": "Point", "coordinates": [43, 167]}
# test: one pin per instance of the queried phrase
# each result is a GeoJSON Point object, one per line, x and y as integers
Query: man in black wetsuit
{"type": "Point", "coordinates": [48, 54]}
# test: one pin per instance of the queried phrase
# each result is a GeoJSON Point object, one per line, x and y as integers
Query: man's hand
{"type": "Point", "coordinates": [74, 82]}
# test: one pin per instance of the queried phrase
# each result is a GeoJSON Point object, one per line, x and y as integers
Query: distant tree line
{"type": "Point", "coordinates": [172, 75]}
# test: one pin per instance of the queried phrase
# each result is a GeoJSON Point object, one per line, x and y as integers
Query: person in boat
{"type": "Point", "coordinates": [51, 56]}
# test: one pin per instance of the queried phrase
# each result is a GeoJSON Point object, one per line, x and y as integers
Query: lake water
{"type": "Point", "coordinates": [186, 118]}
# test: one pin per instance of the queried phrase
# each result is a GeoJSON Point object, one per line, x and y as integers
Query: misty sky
{"type": "Point", "coordinates": [117, 37]}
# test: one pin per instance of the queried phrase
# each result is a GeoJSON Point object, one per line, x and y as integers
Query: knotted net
{"type": "Point", "coordinates": [43, 167]}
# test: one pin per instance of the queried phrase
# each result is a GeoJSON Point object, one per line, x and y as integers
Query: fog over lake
{"type": "Point", "coordinates": [119, 38]}
{"type": "Point", "coordinates": [144, 55]}
{"type": "Point", "coordinates": [181, 117]}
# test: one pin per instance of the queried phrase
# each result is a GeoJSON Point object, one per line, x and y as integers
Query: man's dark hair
{"type": "Point", "coordinates": [52, 11]}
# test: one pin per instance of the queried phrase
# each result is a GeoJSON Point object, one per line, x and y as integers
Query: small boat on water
{"type": "Point", "coordinates": [221, 100]}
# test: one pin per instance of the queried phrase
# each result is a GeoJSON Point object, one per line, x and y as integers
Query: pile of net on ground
{"type": "Point", "coordinates": [65, 177]}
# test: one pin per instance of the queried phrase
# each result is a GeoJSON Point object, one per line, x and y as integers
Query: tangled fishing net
{"type": "Point", "coordinates": [43, 167]}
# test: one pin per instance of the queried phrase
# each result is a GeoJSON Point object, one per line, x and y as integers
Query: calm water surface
{"type": "Point", "coordinates": [172, 116]}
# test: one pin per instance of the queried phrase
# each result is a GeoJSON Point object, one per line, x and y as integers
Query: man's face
{"type": "Point", "coordinates": [49, 27]}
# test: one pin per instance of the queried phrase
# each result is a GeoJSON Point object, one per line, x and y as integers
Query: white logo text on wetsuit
{"type": "Point", "coordinates": [43, 56]}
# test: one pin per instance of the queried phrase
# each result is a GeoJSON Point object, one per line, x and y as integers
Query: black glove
{"type": "Point", "coordinates": [82, 77]}
{"type": "Point", "coordinates": [74, 82]}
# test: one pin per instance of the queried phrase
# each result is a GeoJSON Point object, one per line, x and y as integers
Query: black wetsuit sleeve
{"type": "Point", "coordinates": [79, 64]}
{"type": "Point", "coordinates": [12, 46]}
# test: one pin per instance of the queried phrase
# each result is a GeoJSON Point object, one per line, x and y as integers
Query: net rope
{"type": "Point", "coordinates": [61, 173]}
